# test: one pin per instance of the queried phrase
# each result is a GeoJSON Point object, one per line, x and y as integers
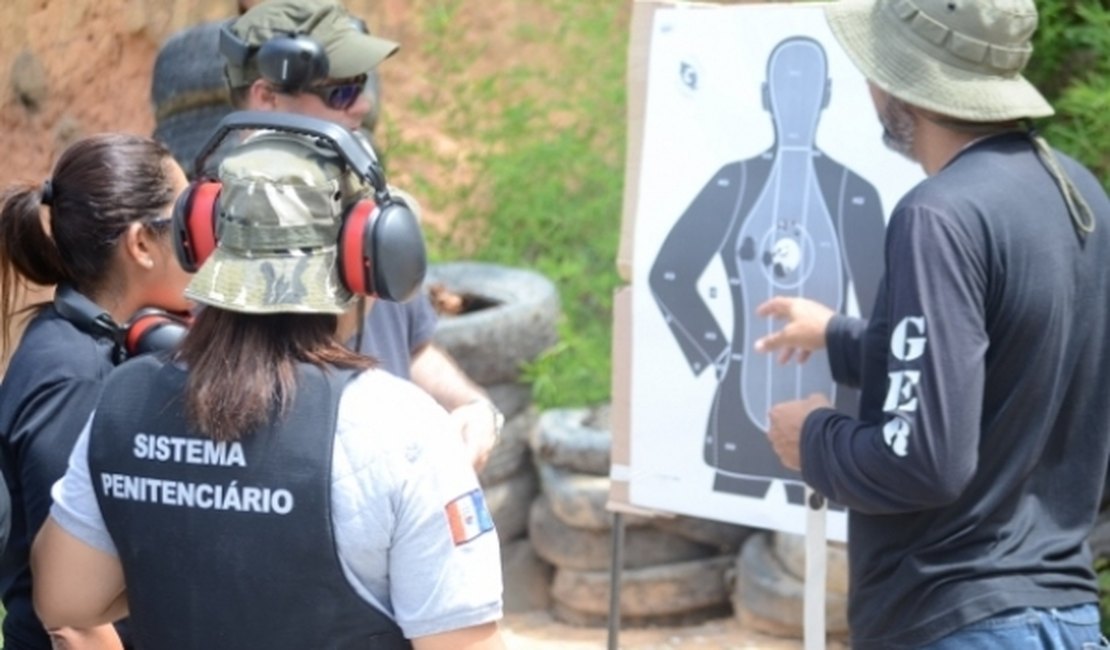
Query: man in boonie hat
{"type": "Point", "coordinates": [975, 467]}
{"type": "Point", "coordinates": [399, 335]}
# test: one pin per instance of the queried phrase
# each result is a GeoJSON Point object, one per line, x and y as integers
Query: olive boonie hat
{"type": "Point", "coordinates": [959, 58]}
{"type": "Point", "coordinates": [281, 206]}
{"type": "Point", "coordinates": [351, 52]}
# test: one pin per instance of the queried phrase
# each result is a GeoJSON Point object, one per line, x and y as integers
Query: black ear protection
{"type": "Point", "coordinates": [381, 245]}
{"type": "Point", "coordinates": [149, 330]}
{"type": "Point", "coordinates": [290, 61]}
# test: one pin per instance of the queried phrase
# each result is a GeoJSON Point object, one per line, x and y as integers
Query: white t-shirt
{"type": "Point", "coordinates": [397, 467]}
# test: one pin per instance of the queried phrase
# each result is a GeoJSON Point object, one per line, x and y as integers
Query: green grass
{"type": "Point", "coordinates": [550, 173]}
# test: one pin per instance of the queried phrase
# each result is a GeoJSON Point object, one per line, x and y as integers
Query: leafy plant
{"type": "Point", "coordinates": [1071, 66]}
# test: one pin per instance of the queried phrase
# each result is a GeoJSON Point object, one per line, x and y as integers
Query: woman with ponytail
{"type": "Point", "coordinates": [98, 231]}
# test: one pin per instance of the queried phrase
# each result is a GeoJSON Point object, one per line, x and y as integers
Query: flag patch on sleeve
{"type": "Point", "coordinates": [468, 517]}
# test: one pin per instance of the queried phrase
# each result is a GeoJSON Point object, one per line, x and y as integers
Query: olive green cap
{"type": "Point", "coordinates": [351, 51]}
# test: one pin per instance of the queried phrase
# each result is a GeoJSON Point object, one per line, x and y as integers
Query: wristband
{"type": "Point", "coordinates": [498, 416]}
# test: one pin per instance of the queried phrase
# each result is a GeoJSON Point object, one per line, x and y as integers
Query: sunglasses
{"type": "Point", "coordinates": [341, 94]}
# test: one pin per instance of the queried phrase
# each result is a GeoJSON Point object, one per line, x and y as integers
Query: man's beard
{"type": "Point", "coordinates": [897, 121]}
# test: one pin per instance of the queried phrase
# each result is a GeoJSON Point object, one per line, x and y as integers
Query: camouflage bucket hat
{"type": "Point", "coordinates": [960, 58]}
{"type": "Point", "coordinates": [351, 51]}
{"type": "Point", "coordinates": [280, 210]}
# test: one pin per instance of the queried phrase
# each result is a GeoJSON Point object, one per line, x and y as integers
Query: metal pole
{"type": "Point", "coordinates": [615, 567]}
{"type": "Point", "coordinates": [816, 572]}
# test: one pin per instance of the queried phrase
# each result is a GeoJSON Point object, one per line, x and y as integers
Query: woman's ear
{"type": "Point", "coordinates": [139, 246]}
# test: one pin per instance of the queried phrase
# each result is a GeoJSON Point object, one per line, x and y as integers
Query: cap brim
{"type": "Point", "coordinates": [186, 133]}
{"type": "Point", "coordinates": [354, 53]}
{"type": "Point", "coordinates": [874, 44]}
{"type": "Point", "coordinates": [306, 283]}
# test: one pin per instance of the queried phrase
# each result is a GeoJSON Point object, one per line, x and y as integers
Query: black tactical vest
{"type": "Point", "coordinates": [227, 545]}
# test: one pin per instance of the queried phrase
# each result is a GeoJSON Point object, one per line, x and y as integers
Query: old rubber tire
{"type": "Point", "coordinates": [591, 550]}
{"type": "Point", "coordinates": [511, 453]}
{"type": "Point", "coordinates": [726, 537]}
{"type": "Point", "coordinates": [526, 578]}
{"type": "Point", "coordinates": [654, 591]}
{"type": "Point", "coordinates": [491, 344]}
{"type": "Point", "coordinates": [790, 550]}
{"type": "Point", "coordinates": [767, 598]}
{"type": "Point", "coordinates": [577, 439]}
{"type": "Point", "coordinates": [509, 503]}
{"type": "Point", "coordinates": [510, 398]}
{"type": "Point", "coordinates": [578, 500]}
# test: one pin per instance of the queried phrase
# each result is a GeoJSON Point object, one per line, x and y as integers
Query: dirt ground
{"type": "Point", "coordinates": [538, 631]}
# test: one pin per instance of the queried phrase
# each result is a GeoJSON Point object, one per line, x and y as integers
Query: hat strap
{"type": "Point", "coordinates": [1081, 214]}
{"type": "Point", "coordinates": [966, 126]}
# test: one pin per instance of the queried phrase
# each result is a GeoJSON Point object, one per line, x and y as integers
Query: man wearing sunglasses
{"type": "Point", "coordinates": [399, 335]}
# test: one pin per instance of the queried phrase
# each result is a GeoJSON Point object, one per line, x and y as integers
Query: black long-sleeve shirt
{"type": "Point", "coordinates": [49, 390]}
{"type": "Point", "coordinates": [974, 471]}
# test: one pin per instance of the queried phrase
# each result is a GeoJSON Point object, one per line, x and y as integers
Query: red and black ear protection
{"type": "Point", "coordinates": [153, 330]}
{"type": "Point", "coordinates": [150, 330]}
{"type": "Point", "coordinates": [194, 223]}
{"type": "Point", "coordinates": [381, 245]}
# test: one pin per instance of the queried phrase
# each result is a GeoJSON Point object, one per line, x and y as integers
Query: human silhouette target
{"type": "Point", "coordinates": [788, 221]}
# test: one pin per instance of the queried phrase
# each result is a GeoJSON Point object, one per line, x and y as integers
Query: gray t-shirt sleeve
{"type": "Point", "coordinates": [75, 507]}
{"type": "Point", "coordinates": [393, 332]}
{"type": "Point", "coordinates": [924, 450]}
{"type": "Point", "coordinates": [396, 477]}
{"type": "Point", "coordinates": [422, 321]}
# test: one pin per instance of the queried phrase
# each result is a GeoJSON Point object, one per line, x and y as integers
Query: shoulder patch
{"type": "Point", "coordinates": [468, 517]}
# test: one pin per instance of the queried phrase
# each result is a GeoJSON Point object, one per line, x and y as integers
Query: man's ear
{"type": "Point", "coordinates": [765, 93]}
{"type": "Point", "coordinates": [828, 94]}
{"type": "Point", "coordinates": [262, 96]}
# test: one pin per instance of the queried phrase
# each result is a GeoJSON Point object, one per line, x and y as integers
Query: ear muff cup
{"type": "Point", "coordinates": [381, 251]}
{"type": "Point", "coordinates": [194, 224]}
{"type": "Point", "coordinates": [293, 62]}
{"type": "Point", "coordinates": [153, 330]}
{"type": "Point", "coordinates": [380, 244]}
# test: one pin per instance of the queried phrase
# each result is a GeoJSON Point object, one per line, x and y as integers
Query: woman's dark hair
{"type": "Point", "coordinates": [242, 367]}
{"type": "Point", "coordinates": [65, 229]}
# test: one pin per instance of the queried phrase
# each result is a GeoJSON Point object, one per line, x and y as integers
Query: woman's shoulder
{"type": "Point", "coordinates": [54, 349]}
{"type": "Point", "coordinates": [380, 399]}
{"type": "Point", "coordinates": [385, 419]}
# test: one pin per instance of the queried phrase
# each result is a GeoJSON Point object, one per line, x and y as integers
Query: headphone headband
{"type": "Point", "coordinates": [381, 246]}
{"type": "Point", "coordinates": [233, 48]}
{"type": "Point", "coordinates": [149, 330]}
{"type": "Point", "coordinates": [356, 152]}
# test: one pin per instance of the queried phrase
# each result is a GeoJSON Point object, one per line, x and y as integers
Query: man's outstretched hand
{"type": "Point", "coordinates": [803, 332]}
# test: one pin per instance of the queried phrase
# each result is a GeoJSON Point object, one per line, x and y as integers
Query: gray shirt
{"type": "Point", "coordinates": [393, 332]}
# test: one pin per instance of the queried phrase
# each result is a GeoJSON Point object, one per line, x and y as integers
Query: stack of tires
{"type": "Point", "coordinates": [769, 585]}
{"type": "Point", "coordinates": [674, 568]}
{"type": "Point", "coordinates": [515, 324]}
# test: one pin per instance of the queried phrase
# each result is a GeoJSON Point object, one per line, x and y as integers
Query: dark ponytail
{"type": "Point", "coordinates": [67, 228]}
